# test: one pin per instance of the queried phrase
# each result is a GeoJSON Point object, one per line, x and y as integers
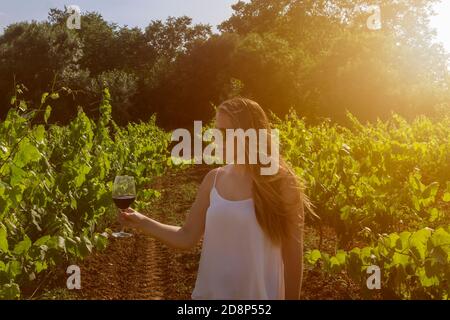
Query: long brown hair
{"type": "Point", "coordinates": [274, 208]}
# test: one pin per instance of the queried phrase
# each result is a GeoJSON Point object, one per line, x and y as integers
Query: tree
{"type": "Point", "coordinates": [37, 55]}
{"type": "Point", "coordinates": [340, 64]}
{"type": "Point", "coordinates": [175, 36]}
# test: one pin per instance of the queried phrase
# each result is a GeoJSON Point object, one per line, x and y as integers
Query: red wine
{"type": "Point", "coordinates": [123, 202]}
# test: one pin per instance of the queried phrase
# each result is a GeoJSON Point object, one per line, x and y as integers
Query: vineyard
{"type": "Point", "coordinates": [385, 190]}
{"type": "Point", "coordinates": [55, 185]}
{"type": "Point", "coordinates": [382, 188]}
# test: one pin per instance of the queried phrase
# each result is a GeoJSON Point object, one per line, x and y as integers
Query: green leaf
{"type": "Point", "coordinates": [100, 241]}
{"type": "Point", "coordinates": [27, 153]}
{"type": "Point", "coordinates": [73, 203]}
{"type": "Point", "coordinates": [44, 97]}
{"type": "Point", "coordinates": [56, 242]}
{"type": "Point", "coordinates": [85, 247]}
{"type": "Point", "coordinates": [400, 259]}
{"type": "Point", "coordinates": [403, 241]}
{"type": "Point", "coordinates": [418, 242]}
{"type": "Point", "coordinates": [54, 95]}
{"type": "Point", "coordinates": [40, 266]}
{"type": "Point", "coordinates": [359, 193]}
{"type": "Point", "coordinates": [431, 190]}
{"type": "Point", "coordinates": [434, 214]}
{"type": "Point", "coordinates": [446, 197]}
{"type": "Point", "coordinates": [314, 256]}
{"type": "Point", "coordinates": [41, 241]}
{"type": "Point", "coordinates": [365, 255]}
{"type": "Point", "coordinates": [39, 133]}
{"type": "Point", "coordinates": [426, 281]}
{"type": "Point", "coordinates": [10, 291]}
{"type": "Point", "coordinates": [23, 246]}
{"type": "Point", "coordinates": [13, 268]}
{"type": "Point", "coordinates": [48, 111]}
{"type": "Point", "coordinates": [3, 240]}
{"type": "Point", "coordinates": [82, 172]}
{"type": "Point", "coordinates": [341, 256]}
{"type": "Point", "coordinates": [3, 187]}
{"type": "Point", "coordinates": [334, 265]}
{"type": "Point", "coordinates": [440, 238]}
{"type": "Point", "coordinates": [391, 240]}
{"type": "Point", "coordinates": [17, 175]}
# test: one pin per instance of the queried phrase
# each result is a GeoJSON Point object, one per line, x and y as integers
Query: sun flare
{"type": "Point", "coordinates": [441, 22]}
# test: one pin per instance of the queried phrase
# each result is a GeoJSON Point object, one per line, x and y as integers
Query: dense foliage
{"type": "Point", "coordinates": [55, 184]}
{"type": "Point", "coordinates": [385, 190]}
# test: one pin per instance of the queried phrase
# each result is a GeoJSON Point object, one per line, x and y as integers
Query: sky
{"type": "Point", "coordinates": [441, 23]}
{"type": "Point", "coordinates": [141, 12]}
{"type": "Point", "coordinates": [124, 12]}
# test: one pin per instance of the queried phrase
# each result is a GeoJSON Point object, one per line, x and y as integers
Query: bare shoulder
{"type": "Point", "coordinates": [205, 188]}
{"type": "Point", "coordinates": [208, 180]}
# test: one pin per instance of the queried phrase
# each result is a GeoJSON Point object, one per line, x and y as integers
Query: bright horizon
{"type": "Point", "coordinates": [441, 22]}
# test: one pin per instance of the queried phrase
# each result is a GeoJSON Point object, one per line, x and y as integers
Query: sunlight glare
{"type": "Point", "coordinates": [441, 22]}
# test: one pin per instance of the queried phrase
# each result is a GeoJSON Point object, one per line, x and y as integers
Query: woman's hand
{"type": "Point", "coordinates": [131, 218]}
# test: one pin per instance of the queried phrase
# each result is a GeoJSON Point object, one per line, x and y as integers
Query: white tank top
{"type": "Point", "coordinates": [238, 260]}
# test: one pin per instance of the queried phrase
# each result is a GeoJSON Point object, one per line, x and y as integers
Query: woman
{"type": "Point", "coordinates": [252, 224]}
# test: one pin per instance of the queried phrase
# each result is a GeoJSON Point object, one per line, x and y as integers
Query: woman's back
{"type": "Point", "coordinates": [238, 260]}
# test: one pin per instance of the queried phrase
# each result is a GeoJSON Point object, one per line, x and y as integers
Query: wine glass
{"type": "Point", "coordinates": [123, 194]}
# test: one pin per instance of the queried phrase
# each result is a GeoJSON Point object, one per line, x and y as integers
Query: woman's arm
{"type": "Point", "coordinates": [292, 249]}
{"type": "Point", "coordinates": [184, 237]}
